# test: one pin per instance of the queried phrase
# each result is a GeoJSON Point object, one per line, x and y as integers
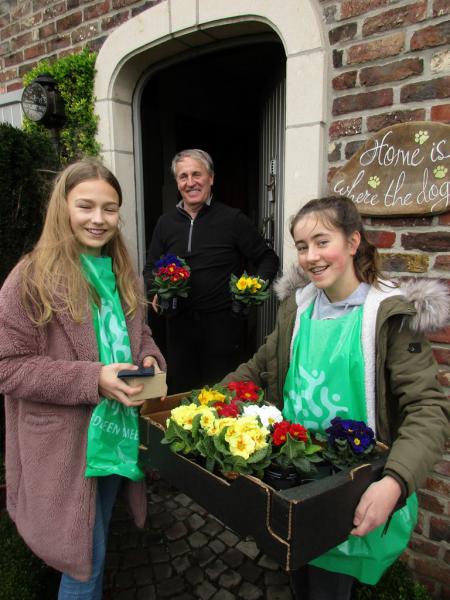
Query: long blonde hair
{"type": "Point", "coordinates": [52, 279]}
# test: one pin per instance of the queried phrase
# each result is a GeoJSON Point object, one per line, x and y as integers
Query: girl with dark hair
{"type": "Point", "coordinates": [351, 344]}
{"type": "Point", "coordinates": [72, 317]}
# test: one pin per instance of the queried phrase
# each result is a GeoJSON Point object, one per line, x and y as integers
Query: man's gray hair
{"type": "Point", "coordinates": [196, 154]}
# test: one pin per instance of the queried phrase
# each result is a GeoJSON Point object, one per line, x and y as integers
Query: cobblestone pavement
{"type": "Point", "coordinates": [186, 554]}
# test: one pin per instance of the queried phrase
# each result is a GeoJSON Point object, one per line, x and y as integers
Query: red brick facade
{"type": "Point", "coordinates": [390, 63]}
{"type": "Point", "coordinates": [31, 30]}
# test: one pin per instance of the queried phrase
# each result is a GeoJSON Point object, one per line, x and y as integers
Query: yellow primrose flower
{"type": "Point", "coordinates": [207, 420]}
{"type": "Point", "coordinates": [247, 423]}
{"type": "Point", "coordinates": [232, 431]}
{"type": "Point", "coordinates": [242, 445]}
{"type": "Point", "coordinates": [214, 428]}
{"type": "Point", "coordinates": [183, 415]}
{"type": "Point", "coordinates": [226, 422]}
{"type": "Point", "coordinates": [241, 283]}
{"type": "Point", "coordinates": [260, 438]}
{"type": "Point", "coordinates": [205, 396]}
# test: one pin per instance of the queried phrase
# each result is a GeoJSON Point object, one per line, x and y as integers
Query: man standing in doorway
{"type": "Point", "coordinates": [215, 240]}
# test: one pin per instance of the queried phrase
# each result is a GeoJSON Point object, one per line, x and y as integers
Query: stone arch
{"type": "Point", "coordinates": [175, 26]}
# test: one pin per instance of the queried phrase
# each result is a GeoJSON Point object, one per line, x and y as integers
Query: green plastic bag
{"type": "Point", "coordinates": [113, 434]}
{"type": "Point", "coordinates": [113, 441]}
{"type": "Point", "coordinates": [367, 558]}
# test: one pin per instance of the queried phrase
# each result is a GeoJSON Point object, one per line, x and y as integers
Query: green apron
{"type": "Point", "coordinates": [326, 379]}
{"type": "Point", "coordinates": [326, 373]}
{"type": "Point", "coordinates": [113, 434]}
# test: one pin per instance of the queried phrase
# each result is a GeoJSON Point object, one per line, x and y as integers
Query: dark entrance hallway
{"type": "Point", "coordinates": [211, 102]}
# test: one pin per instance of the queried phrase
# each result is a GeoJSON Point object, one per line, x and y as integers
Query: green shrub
{"type": "Point", "coordinates": [22, 575]}
{"type": "Point", "coordinates": [74, 75]}
{"type": "Point", "coordinates": [28, 164]}
{"type": "Point", "coordinates": [396, 584]}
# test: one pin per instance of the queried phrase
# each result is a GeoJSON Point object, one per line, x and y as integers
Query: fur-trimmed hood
{"type": "Point", "coordinates": [429, 297]}
{"type": "Point", "coordinates": [289, 282]}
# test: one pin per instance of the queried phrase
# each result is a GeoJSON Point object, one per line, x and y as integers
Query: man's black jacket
{"type": "Point", "coordinates": [220, 241]}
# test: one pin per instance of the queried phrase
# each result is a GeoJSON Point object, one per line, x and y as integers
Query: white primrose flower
{"type": "Point", "coordinates": [268, 414]}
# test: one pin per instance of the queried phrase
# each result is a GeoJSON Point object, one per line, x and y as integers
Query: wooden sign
{"type": "Point", "coordinates": [402, 170]}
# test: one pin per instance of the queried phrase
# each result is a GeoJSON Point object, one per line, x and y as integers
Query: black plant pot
{"type": "Point", "coordinates": [280, 478]}
{"type": "Point", "coordinates": [323, 470]}
{"type": "Point", "coordinates": [169, 306]}
{"type": "Point", "coordinates": [239, 310]}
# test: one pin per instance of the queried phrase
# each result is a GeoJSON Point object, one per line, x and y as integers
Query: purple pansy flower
{"type": "Point", "coordinates": [167, 260]}
{"type": "Point", "coordinates": [356, 433]}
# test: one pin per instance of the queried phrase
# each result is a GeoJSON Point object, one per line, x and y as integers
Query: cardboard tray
{"type": "Point", "coordinates": [291, 526]}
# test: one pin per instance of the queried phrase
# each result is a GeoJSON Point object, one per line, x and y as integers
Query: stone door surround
{"type": "Point", "coordinates": [173, 27]}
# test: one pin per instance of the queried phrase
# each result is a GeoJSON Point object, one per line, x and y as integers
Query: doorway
{"type": "Point", "coordinates": [217, 102]}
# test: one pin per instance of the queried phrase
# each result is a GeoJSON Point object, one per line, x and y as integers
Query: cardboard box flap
{"type": "Point", "coordinates": [156, 404]}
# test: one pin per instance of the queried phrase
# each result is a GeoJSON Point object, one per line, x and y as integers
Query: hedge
{"type": "Point", "coordinates": [28, 164]}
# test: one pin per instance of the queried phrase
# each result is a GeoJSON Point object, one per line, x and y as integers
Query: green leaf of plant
{"type": "Point", "coordinates": [302, 465]}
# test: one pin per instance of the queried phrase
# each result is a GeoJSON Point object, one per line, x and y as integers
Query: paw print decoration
{"type": "Point", "coordinates": [374, 181]}
{"type": "Point", "coordinates": [421, 137]}
{"type": "Point", "coordinates": [440, 172]}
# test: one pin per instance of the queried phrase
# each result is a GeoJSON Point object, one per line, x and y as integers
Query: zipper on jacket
{"type": "Point", "coordinates": [190, 235]}
{"type": "Point", "coordinates": [191, 225]}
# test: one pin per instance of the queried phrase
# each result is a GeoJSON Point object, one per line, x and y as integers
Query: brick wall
{"type": "Point", "coordinates": [31, 30]}
{"type": "Point", "coordinates": [390, 64]}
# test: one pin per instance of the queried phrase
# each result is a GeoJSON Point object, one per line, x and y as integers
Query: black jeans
{"type": "Point", "coordinates": [312, 583]}
{"type": "Point", "coordinates": [201, 348]}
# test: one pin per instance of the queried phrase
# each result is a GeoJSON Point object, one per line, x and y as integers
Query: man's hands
{"type": "Point", "coordinates": [154, 303]}
{"type": "Point", "coordinates": [110, 386]}
{"type": "Point", "coordinates": [376, 505]}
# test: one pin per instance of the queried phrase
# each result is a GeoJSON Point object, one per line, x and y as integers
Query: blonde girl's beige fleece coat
{"type": "Point", "coordinates": [49, 376]}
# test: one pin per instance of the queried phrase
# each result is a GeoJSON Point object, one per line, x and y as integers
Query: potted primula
{"type": "Point", "coordinates": [236, 445]}
{"type": "Point", "coordinates": [294, 455]}
{"type": "Point", "coordinates": [350, 443]}
{"type": "Point", "coordinates": [247, 291]}
{"type": "Point", "coordinates": [171, 277]}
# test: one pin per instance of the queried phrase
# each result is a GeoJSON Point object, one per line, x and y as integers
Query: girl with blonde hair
{"type": "Point", "coordinates": [72, 316]}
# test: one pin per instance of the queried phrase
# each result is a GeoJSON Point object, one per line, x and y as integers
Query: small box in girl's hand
{"type": "Point", "coordinates": [154, 383]}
